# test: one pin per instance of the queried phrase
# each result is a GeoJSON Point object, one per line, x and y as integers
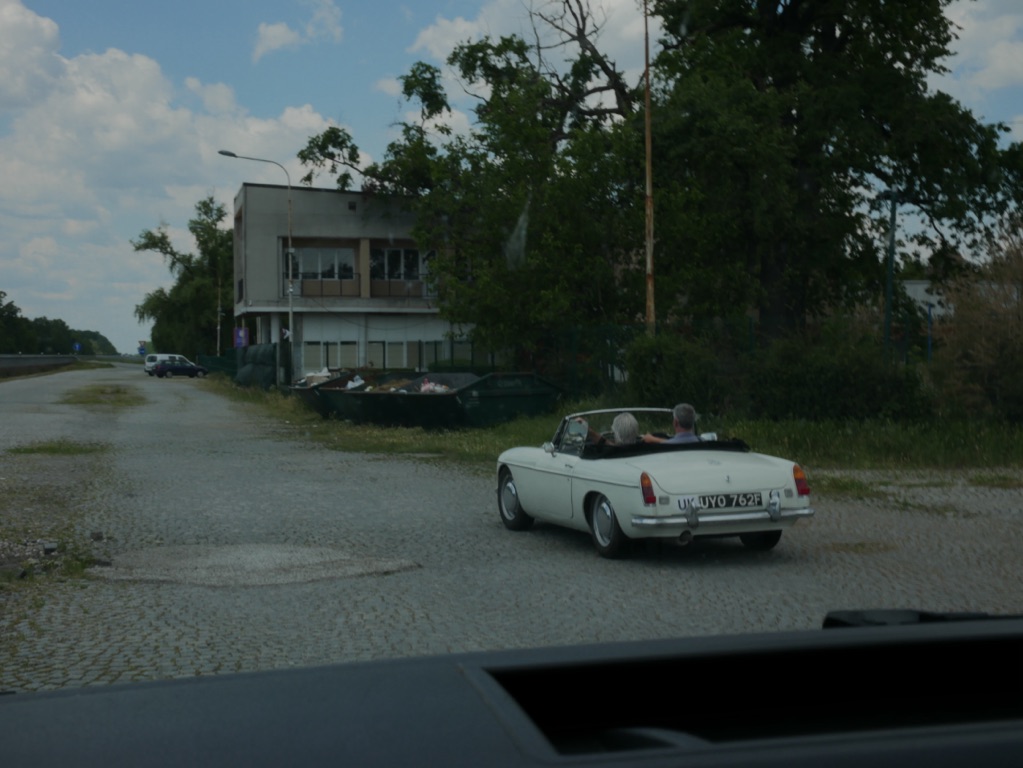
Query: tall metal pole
{"type": "Point", "coordinates": [290, 254]}
{"type": "Point", "coordinates": [651, 317]}
{"type": "Point", "coordinates": [889, 283]}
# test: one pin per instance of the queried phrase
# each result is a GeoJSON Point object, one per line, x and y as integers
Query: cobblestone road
{"type": "Point", "coordinates": [235, 546]}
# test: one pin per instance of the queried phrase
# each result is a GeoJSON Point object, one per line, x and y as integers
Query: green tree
{"type": "Point", "coordinates": [787, 122]}
{"type": "Point", "coordinates": [185, 318]}
{"type": "Point", "coordinates": [779, 126]}
{"type": "Point", "coordinates": [16, 334]}
{"type": "Point", "coordinates": [94, 343]}
{"type": "Point", "coordinates": [532, 214]}
{"type": "Point", "coordinates": [53, 337]}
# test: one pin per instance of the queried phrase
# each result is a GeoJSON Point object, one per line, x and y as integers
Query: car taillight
{"type": "Point", "coordinates": [647, 485]}
{"type": "Point", "coordinates": [802, 487]}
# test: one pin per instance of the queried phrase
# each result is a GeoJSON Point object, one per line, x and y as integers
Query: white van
{"type": "Point", "coordinates": [152, 360]}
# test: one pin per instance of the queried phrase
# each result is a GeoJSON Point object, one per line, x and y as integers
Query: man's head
{"type": "Point", "coordinates": [685, 417]}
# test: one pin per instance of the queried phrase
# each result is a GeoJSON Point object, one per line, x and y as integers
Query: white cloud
{"type": "Point", "coordinates": [217, 99]}
{"type": "Point", "coordinates": [29, 64]}
{"type": "Point", "coordinates": [989, 51]}
{"type": "Point", "coordinates": [325, 23]}
{"type": "Point", "coordinates": [104, 146]}
{"type": "Point", "coordinates": [439, 39]}
{"type": "Point", "coordinates": [274, 37]}
{"type": "Point", "coordinates": [987, 66]}
{"type": "Point", "coordinates": [390, 85]}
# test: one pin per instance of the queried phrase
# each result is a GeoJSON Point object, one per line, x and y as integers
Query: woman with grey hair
{"type": "Point", "coordinates": [625, 429]}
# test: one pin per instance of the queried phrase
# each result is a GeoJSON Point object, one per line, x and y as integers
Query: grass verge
{"type": "Point", "coordinates": [880, 445]}
{"type": "Point", "coordinates": [61, 447]}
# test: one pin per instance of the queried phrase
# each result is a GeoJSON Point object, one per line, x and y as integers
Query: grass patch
{"type": "Point", "coordinates": [884, 445]}
{"type": "Point", "coordinates": [115, 395]}
{"type": "Point", "coordinates": [468, 446]}
{"type": "Point", "coordinates": [845, 487]}
{"type": "Point", "coordinates": [60, 447]}
{"type": "Point", "coordinates": [997, 480]}
{"type": "Point", "coordinates": [860, 547]}
{"type": "Point", "coordinates": [879, 445]}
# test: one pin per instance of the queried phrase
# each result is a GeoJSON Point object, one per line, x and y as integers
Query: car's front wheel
{"type": "Point", "coordinates": [761, 541]}
{"type": "Point", "coordinates": [200, 374]}
{"type": "Point", "coordinates": [608, 537]}
{"type": "Point", "coordinates": [513, 515]}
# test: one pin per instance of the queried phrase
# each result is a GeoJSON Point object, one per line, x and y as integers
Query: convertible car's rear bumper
{"type": "Point", "coordinates": [739, 521]}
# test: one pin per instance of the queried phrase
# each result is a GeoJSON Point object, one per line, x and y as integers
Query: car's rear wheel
{"type": "Point", "coordinates": [169, 374]}
{"type": "Point", "coordinates": [760, 541]}
{"type": "Point", "coordinates": [608, 537]}
{"type": "Point", "coordinates": [513, 515]}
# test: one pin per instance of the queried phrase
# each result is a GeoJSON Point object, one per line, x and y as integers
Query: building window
{"type": "Point", "coordinates": [322, 260]}
{"type": "Point", "coordinates": [412, 353]}
{"type": "Point", "coordinates": [349, 357]}
{"type": "Point", "coordinates": [396, 354]}
{"type": "Point", "coordinates": [342, 354]}
{"type": "Point", "coordinates": [375, 354]}
{"type": "Point", "coordinates": [334, 355]}
{"type": "Point", "coordinates": [311, 357]}
{"type": "Point", "coordinates": [395, 264]}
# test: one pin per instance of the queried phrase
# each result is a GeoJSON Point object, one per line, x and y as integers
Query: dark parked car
{"type": "Point", "coordinates": [180, 367]}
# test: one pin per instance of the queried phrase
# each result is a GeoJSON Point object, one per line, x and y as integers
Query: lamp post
{"type": "Point", "coordinates": [290, 253]}
{"type": "Point", "coordinates": [651, 315]}
{"type": "Point", "coordinates": [894, 197]}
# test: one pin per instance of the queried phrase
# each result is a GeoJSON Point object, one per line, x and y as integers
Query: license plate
{"type": "Point", "coordinates": [751, 500]}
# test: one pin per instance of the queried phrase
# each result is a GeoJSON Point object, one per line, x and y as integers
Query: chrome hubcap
{"type": "Point", "coordinates": [603, 520]}
{"type": "Point", "coordinates": [509, 499]}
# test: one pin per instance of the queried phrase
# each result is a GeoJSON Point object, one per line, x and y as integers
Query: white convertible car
{"type": "Point", "coordinates": [583, 480]}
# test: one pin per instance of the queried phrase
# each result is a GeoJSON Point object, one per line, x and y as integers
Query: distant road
{"type": "Point", "coordinates": [44, 362]}
{"type": "Point", "coordinates": [41, 362]}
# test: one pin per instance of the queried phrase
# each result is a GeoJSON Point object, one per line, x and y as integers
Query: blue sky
{"type": "Point", "coordinates": [112, 112]}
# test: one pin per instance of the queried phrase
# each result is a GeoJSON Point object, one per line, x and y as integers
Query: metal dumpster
{"type": "Point", "coordinates": [442, 400]}
{"type": "Point", "coordinates": [329, 398]}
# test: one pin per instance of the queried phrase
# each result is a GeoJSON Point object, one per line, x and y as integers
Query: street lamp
{"type": "Point", "coordinates": [651, 315]}
{"type": "Point", "coordinates": [895, 197]}
{"type": "Point", "coordinates": [290, 254]}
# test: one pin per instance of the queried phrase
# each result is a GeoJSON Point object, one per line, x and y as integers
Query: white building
{"type": "Point", "coordinates": [355, 293]}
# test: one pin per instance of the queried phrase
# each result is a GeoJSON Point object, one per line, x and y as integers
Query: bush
{"type": "Point", "coordinates": [979, 362]}
{"type": "Point", "coordinates": [835, 379]}
{"type": "Point", "coordinates": [668, 369]}
{"type": "Point", "coordinates": [837, 371]}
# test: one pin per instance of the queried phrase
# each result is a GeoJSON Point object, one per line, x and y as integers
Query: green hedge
{"type": "Point", "coordinates": [835, 381]}
{"type": "Point", "coordinates": [833, 378]}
